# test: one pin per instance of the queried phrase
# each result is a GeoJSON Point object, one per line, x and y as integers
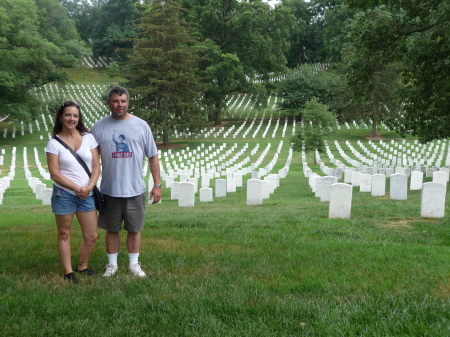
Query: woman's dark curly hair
{"type": "Point", "coordinates": [57, 127]}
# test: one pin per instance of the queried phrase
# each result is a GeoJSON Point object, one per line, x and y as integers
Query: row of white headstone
{"type": "Point", "coordinates": [209, 164]}
{"type": "Point", "coordinates": [214, 162]}
{"type": "Point", "coordinates": [89, 97]}
{"type": "Point", "coordinates": [395, 154]}
{"type": "Point", "coordinates": [380, 165]}
{"type": "Point", "coordinates": [39, 188]}
{"type": "Point", "coordinates": [258, 189]}
{"type": "Point", "coordinates": [433, 195]}
{"type": "Point", "coordinates": [101, 62]}
{"type": "Point", "coordinates": [93, 110]}
{"type": "Point", "coordinates": [5, 182]}
{"type": "Point", "coordinates": [186, 189]}
{"type": "Point", "coordinates": [432, 200]}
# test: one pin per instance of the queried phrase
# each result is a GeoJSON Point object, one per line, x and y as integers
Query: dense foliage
{"type": "Point", "coordinates": [414, 34]}
{"type": "Point", "coordinates": [393, 55]}
{"type": "Point", "coordinates": [36, 41]}
{"type": "Point", "coordinates": [162, 71]}
{"type": "Point", "coordinates": [307, 83]}
{"type": "Point", "coordinates": [317, 123]}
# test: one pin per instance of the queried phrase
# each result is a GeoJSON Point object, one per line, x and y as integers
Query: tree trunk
{"type": "Point", "coordinates": [165, 138]}
{"type": "Point", "coordinates": [375, 108]}
{"type": "Point", "coordinates": [217, 117]}
{"type": "Point", "coordinates": [374, 128]}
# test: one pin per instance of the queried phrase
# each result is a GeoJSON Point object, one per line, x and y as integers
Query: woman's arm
{"type": "Point", "coordinates": [95, 173]}
{"type": "Point", "coordinates": [56, 176]}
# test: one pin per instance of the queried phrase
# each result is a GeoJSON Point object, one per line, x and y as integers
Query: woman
{"type": "Point", "coordinates": [72, 188]}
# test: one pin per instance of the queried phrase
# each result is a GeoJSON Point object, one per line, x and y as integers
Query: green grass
{"type": "Point", "coordinates": [227, 269]}
{"type": "Point", "coordinates": [84, 75]}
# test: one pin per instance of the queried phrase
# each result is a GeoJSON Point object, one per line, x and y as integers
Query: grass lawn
{"type": "Point", "coordinates": [227, 269]}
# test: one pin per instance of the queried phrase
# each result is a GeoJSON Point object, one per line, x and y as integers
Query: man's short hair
{"type": "Point", "coordinates": [119, 91]}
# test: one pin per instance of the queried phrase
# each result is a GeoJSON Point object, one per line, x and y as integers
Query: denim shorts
{"type": "Point", "coordinates": [65, 203]}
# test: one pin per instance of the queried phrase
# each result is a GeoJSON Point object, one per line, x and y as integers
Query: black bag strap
{"type": "Point", "coordinates": [77, 157]}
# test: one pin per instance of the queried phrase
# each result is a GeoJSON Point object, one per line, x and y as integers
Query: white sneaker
{"type": "Point", "coordinates": [110, 270]}
{"type": "Point", "coordinates": [135, 269]}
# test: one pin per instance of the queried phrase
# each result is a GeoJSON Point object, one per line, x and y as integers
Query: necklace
{"type": "Point", "coordinates": [67, 138]}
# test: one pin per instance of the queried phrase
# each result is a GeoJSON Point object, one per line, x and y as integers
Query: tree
{"type": "Point", "coordinates": [224, 74]}
{"type": "Point", "coordinates": [374, 83]}
{"type": "Point", "coordinates": [318, 122]}
{"type": "Point", "coordinates": [113, 27]}
{"type": "Point", "coordinates": [162, 71]}
{"type": "Point", "coordinates": [418, 39]}
{"type": "Point", "coordinates": [249, 36]}
{"type": "Point", "coordinates": [57, 28]}
{"type": "Point", "coordinates": [32, 52]}
{"type": "Point", "coordinates": [299, 43]}
{"type": "Point", "coordinates": [113, 69]}
{"type": "Point", "coordinates": [335, 34]}
{"type": "Point", "coordinates": [307, 38]}
{"type": "Point", "coordinates": [83, 13]}
{"type": "Point", "coordinates": [306, 83]}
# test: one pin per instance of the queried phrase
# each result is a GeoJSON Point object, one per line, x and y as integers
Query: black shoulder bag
{"type": "Point", "coordinates": [100, 200]}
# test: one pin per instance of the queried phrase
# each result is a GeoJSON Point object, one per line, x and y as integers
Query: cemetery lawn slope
{"type": "Point", "coordinates": [225, 269]}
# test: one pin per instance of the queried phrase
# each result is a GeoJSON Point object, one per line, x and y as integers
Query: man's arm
{"type": "Point", "coordinates": [156, 192]}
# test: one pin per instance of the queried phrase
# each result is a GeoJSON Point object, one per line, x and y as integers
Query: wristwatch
{"type": "Point", "coordinates": [157, 185]}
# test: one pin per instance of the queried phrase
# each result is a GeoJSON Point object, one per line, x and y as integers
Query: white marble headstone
{"type": "Point", "coordinates": [348, 176]}
{"type": "Point", "coordinates": [231, 185]}
{"type": "Point", "coordinates": [174, 190]}
{"type": "Point", "coordinates": [254, 192]}
{"type": "Point", "coordinates": [205, 181]}
{"type": "Point", "coordinates": [440, 177]}
{"type": "Point", "coordinates": [365, 183]}
{"type": "Point", "coordinates": [221, 188]}
{"type": "Point", "coordinates": [399, 186]}
{"type": "Point", "coordinates": [433, 200]}
{"type": "Point", "coordinates": [416, 180]}
{"type": "Point", "coordinates": [356, 178]}
{"type": "Point", "coordinates": [325, 193]}
{"type": "Point", "coordinates": [47, 196]}
{"type": "Point", "coordinates": [340, 201]}
{"type": "Point", "coordinates": [186, 194]}
{"type": "Point", "coordinates": [378, 185]}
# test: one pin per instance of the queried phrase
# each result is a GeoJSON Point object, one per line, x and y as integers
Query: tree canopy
{"type": "Point", "coordinates": [307, 83]}
{"type": "Point", "coordinates": [394, 53]}
{"type": "Point", "coordinates": [37, 39]}
{"type": "Point", "coordinates": [374, 84]}
{"type": "Point", "coordinates": [162, 70]}
{"type": "Point", "coordinates": [417, 38]}
{"type": "Point", "coordinates": [318, 122]}
{"type": "Point", "coordinates": [243, 40]}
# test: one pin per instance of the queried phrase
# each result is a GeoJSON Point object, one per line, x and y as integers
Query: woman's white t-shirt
{"type": "Point", "coordinates": [68, 165]}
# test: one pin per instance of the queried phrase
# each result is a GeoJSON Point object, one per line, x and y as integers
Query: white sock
{"type": "Point", "coordinates": [112, 258]}
{"type": "Point", "coordinates": [133, 258]}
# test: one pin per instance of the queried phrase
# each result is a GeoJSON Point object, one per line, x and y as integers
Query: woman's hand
{"type": "Point", "coordinates": [82, 192]}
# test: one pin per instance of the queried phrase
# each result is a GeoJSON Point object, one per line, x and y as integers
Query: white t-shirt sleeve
{"type": "Point", "coordinates": [92, 143]}
{"type": "Point", "coordinates": [52, 146]}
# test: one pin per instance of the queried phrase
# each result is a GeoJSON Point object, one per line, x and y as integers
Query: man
{"type": "Point", "coordinates": [122, 178]}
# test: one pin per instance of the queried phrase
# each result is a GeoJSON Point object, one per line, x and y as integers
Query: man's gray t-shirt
{"type": "Point", "coordinates": [123, 144]}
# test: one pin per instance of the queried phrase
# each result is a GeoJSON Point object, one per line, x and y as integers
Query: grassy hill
{"type": "Point", "coordinates": [223, 268]}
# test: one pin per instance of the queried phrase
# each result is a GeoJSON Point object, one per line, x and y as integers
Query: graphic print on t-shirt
{"type": "Point", "coordinates": [122, 149]}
